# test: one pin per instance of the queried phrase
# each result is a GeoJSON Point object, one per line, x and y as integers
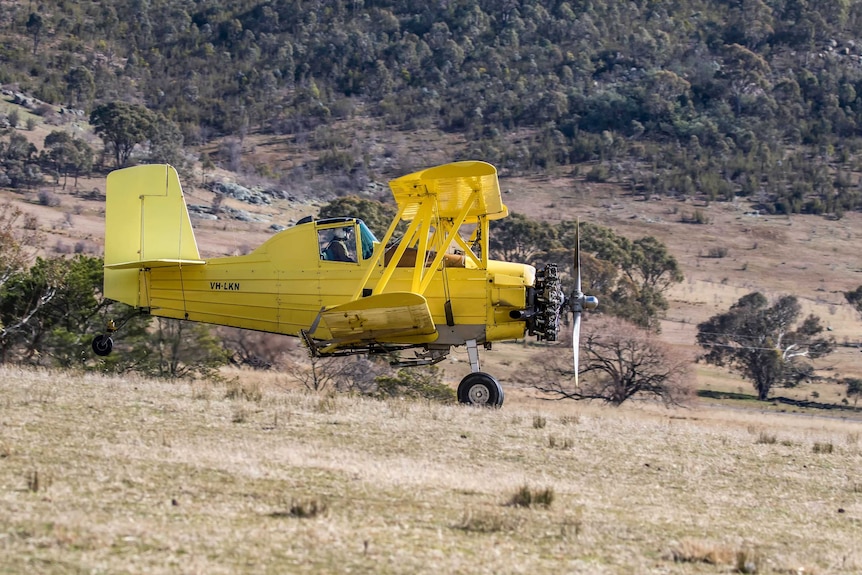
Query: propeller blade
{"type": "Point", "coordinates": [577, 303]}
{"type": "Point", "coordinates": [577, 270]}
{"type": "Point", "coordinates": [576, 342]}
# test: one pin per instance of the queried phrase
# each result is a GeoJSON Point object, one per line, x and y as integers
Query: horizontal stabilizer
{"type": "Point", "coordinates": [150, 264]}
{"type": "Point", "coordinates": [402, 316]}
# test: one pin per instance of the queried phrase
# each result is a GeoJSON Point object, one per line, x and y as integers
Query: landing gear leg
{"type": "Point", "coordinates": [479, 388]}
{"type": "Point", "coordinates": [473, 355]}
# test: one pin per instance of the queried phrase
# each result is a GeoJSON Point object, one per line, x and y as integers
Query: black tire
{"type": "Point", "coordinates": [102, 345]}
{"type": "Point", "coordinates": [480, 389]}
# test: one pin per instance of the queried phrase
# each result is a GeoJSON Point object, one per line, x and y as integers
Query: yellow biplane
{"type": "Point", "coordinates": [332, 283]}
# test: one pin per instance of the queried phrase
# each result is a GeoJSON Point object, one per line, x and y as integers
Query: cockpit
{"type": "Point", "coordinates": [342, 239]}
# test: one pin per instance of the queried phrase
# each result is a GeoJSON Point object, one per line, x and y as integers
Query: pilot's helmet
{"type": "Point", "coordinates": [340, 234]}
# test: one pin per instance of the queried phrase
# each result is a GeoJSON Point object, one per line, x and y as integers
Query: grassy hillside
{"type": "Point", "coordinates": [117, 475]}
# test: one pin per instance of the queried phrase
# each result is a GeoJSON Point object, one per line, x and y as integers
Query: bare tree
{"type": "Point", "coordinates": [361, 374]}
{"type": "Point", "coordinates": [353, 374]}
{"type": "Point", "coordinates": [619, 361]}
{"type": "Point", "coordinates": [19, 240]}
{"type": "Point", "coordinates": [18, 245]}
{"type": "Point", "coordinates": [318, 373]}
{"type": "Point", "coordinates": [256, 349]}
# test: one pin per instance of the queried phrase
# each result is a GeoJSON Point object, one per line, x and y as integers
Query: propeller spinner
{"type": "Point", "coordinates": [579, 301]}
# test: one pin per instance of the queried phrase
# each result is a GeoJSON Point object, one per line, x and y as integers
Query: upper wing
{"type": "Point", "coordinates": [399, 317]}
{"type": "Point", "coordinates": [454, 185]}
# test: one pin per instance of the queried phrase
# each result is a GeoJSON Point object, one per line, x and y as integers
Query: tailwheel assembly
{"type": "Point", "coordinates": [102, 343]}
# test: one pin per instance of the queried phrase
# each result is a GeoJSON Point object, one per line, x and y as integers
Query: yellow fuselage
{"type": "Point", "coordinates": [282, 286]}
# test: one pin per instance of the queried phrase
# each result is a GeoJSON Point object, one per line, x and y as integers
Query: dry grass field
{"type": "Point", "coordinates": [124, 475]}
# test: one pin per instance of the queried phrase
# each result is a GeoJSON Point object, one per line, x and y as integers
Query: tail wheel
{"type": "Point", "coordinates": [102, 345]}
{"type": "Point", "coordinates": [480, 389]}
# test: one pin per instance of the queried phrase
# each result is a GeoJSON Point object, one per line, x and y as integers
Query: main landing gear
{"type": "Point", "coordinates": [479, 388]}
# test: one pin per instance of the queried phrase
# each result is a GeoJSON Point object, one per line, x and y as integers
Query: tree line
{"type": "Point", "coordinates": [759, 99]}
{"type": "Point", "coordinates": [124, 129]}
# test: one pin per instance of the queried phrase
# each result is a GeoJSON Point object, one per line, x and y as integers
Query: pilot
{"type": "Point", "coordinates": [337, 248]}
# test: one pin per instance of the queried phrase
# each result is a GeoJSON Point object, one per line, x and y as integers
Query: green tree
{"type": "Point", "coordinates": [182, 349]}
{"type": "Point", "coordinates": [765, 343]}
{"type": "Point", "coordinates": [854, 298]}
{"type": "Point", "coordinates": [82, 159]}
{"type": "Point", "coordinates": [164, 348]}
{"type": "Point", "coordinates": [416, 382]}
{"type": "Point", "coordinates": [18, 149]}
{"type": "Point", "coordinates": [22, 299]}
{"type": "Point", "coordinates": [66, 155]}
{"type": "Point", "coordinates": [35, 26]}
{"type": "Point", "coordinates": [520, 238]}
{"type": "Point", "coordinates": [745, 71]}
{"type": "Point", "coordinates": [76, 312]}
{"type": "Point", "coordinates": [750, 23]}
{"type": "Point", "coordinates": [52, 310]}
{"type": "Point", "coordinates": [647, 271]}
{"type": "Point", "coordinates": [80, 86]}
{"type": "Point", "coordinates": [166, 143]}
{"type": "Point", "coordinates": [121, 127]}
{"type": "Point", "coordinates": [376, 215]}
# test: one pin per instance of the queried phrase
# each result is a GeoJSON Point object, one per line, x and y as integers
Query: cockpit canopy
{"type": "Point", "coordinates": [341, 239]}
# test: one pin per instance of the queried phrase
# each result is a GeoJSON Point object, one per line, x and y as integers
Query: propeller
{"type": "Point", "coordinates": [576, 300]}
{"type": "Point", "coordinates": [580, 302]}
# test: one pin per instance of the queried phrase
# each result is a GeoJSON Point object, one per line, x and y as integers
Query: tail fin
{"type": "Point", "coordinates": [146, 225]}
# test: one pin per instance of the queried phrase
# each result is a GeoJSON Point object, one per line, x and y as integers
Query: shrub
{"type": "Point", "coordinates": [416, 383]}
{"type": "Point", "coordinates": [696, 217]}
{"type": "Point", "coordinates": [486, 522]}
{"type": "Point", "coordinates": [527, 497]}
{"type": "Point", "coordinates": [766, 438]}
{"type": "Point", "coordinates": [303, 509]}
{"type": "Point", "coordinates": [47, 198]}
{"type": "Point", "coordinates": [597, 174]}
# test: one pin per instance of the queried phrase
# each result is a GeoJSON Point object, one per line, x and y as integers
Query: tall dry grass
{"type": "Point", "coordinates": [106, 474]}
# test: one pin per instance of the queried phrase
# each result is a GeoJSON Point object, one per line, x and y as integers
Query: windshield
{"type": "Point", "coordinates": [367, 239]}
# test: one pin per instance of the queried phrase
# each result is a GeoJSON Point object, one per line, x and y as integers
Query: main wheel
{"type": "Point", "coordinates": [102, 345]}
{"type": "Point", "coordinates": [480, 389]}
